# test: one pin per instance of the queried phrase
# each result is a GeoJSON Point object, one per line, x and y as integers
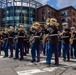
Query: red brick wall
{"type": "Point", "coordinates": [39, 13]}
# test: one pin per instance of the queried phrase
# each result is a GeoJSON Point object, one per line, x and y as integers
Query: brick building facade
{"type": "Point", "coordinates": [67, 14]}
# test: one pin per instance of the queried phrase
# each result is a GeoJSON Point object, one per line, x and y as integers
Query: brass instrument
{"type": "Point", "coordinates": [46, 36]}
{"type": "Point", "coordinates": [72, 38]}
{"type": "Point", "coordinates": [55, 23]}
{"type": "Point", "coordinates": [48, 20]}
{"type": "Point", "coordinates": [43, 40]}
{"type": "Point", "coordinates": [35, 27]}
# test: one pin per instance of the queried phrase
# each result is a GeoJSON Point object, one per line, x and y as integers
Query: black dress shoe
{"type": "Point", "coordinates": [56, 64]}
{"type": "Point", "coordinates": [25, 54]}
{"type": "Point", "coordinates": [20, 58]}
{"type": "Point", "coordinates": [33, 61]}
{"type": "Point", "coordinates": [10, 56]}
{"type": "Point", "coordinates": [64, 60]}
{"type": "Point", "coordinates": [5, 56]}
{"type": "Point", "coordinates": [38, 60]}
{"type": "Point", "coordinates": [68, 60]}
{"type": "Point", "coordinates": [71, 57]}
{"type": "Point", "coordinates": [15, 58]}
{"type": "Point", "coordinates": [48, 64]}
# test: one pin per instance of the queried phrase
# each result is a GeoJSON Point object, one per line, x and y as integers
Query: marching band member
{"type": "Point", "coordinates": [5, 42]}
{"type": "Point", "coordinates": [73, 42]}
{"type": "Point", "coordinates": [26, 44]}
{"type": "Point", "coordinates": [0, 41]}
{"type": "Point", "coordinates": [19, 45]}
{"type": "Point", "coordinates": [59, 44]}
{"type": "Point", "coordinates": [51, 41]}
{"type": "Point", "coordinates": [59, 40]}
{"type": "Point", "coordinates": [65, 42]}
{"type": "Point", "coordinates": [35, 39]}
{"type": "Point", "coordinates": [41, 31]}
{"type": "Point", "coordinates": [44, 34]}
{"type": "Point", "coordinates": [10, 40]}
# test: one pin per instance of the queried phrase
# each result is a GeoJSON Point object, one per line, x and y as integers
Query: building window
{"type": "Point", "coordinates": [25, 18]}
{"type": "Point", "coordinates": [11, 21]}
{"type": "Point", "coordinates": [17, 24]}
{"type": "Point", "coordinates": [7, 18]}
{"type": "Point", "coordinates": [73, 20]}
{"type": "Point", "coordinates": [43, 18]}
{"type": "Point", "coordinates": [73, 13]}
{"type": "Point", "coordinates": [49, 11]}
{"type": "Point", "coordinates": [16, 21]}
{"type": "Point", "coordinates": [18, 11]}
{"type": "Point", "coordinates": [16, 18]}
{"type": "Point", "coordinates": [52, 13]}
{"type": "Point", "coordinates": [43, 11]}
{"type": "Point", "coordinates": [64, 19]}
{"type": "Point", "coordinates": [11, 18]}
{"type": "Point", "coordinates": [7, 12]}
{"type": "Point", "coordinates": [11, 12]}
{"type": "Point", "coordinates": [64, 13]}
{"type": "Point", "coordinates": [3, 19]}
{"type": "Point", "coordinates": [27, 22]}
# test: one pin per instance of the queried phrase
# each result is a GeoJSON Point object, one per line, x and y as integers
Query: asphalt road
{"type": "Point", "coordinates": [9, 66]}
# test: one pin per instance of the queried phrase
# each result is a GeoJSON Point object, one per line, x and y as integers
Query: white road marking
{"type": "Point", "coordinates": [34, 71]}
{"type": "Point", "coordinates": [42, 62]}
{"type": "Point", "coordinates": [29, 72]}
{"type": "Point", "coordinates": [1, 56]}
{"type": "Point", "coordinates": [50, 69]}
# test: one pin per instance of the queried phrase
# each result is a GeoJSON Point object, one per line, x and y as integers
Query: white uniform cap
{"type": "Point", "coordinates": [11, 27]}
{"type": "Point", "coordinates": [36, 23]}
{"type": "Point", "coordinates": [53, 20]}
{"type": "Point", "coordinates": [72, 28]}
{"type": "Point", "coordinates": [64, 24]}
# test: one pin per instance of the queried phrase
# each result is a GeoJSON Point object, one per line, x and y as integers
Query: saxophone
{"type": "Point", "coordinates": [71, 39]}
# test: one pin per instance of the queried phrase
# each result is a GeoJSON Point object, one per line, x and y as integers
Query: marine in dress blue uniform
{"type": "Point", "coordinates": [35, 45]}
{"type": "Point", "coordinates": [19, 45]}
{"type": "Point", "coordinates": [10, 40]}
{"type": "Point", "coordinates": [66, 42]}
{"type": "Point", "coordinates": [5, 43]}
{"type": "Point", "coordinates": [0, 41]}
{"type": "Point", "coordinates": [52, 41]}
{"type": "Point", "coordinates": [73, 42]}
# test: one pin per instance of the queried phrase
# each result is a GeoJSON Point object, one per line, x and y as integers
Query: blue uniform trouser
{"type": "Point", "coordinates": [66, 51]}
{"type": "Point", "coordinates": [49, 53]}
{"type": "Point", "coordinates": [5, 48]}
{"type": "Point", "coordinates": [73, 50]}
{"type": "Point", "coordinates": [50, 50]}
{"type": "Point", "coordinates": [35, 48]}
{"type": "Point", "coordinates": [41, 47]}
{"type": "Point", "coordinates": [19, 46]}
